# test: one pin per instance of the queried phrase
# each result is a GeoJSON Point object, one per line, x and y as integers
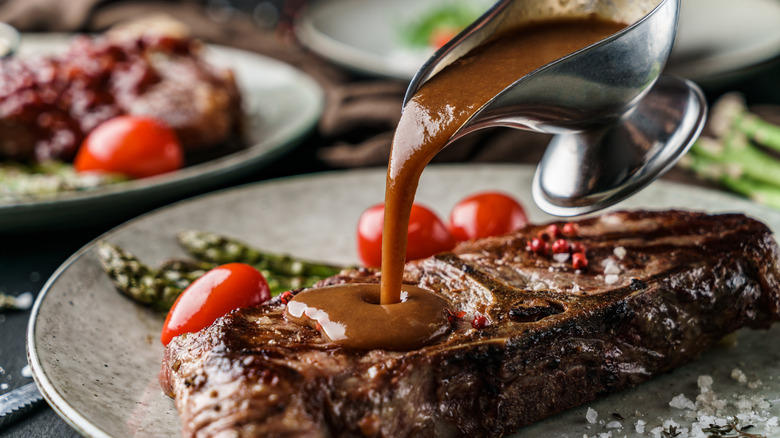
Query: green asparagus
{"type": "Point", "coordinates": [742, 154]}
{"type": "Point", "coordinates": [215, 248]}
{"type": "Point", "coordinates": [137, 280]}
{"type": "Point", "coordinates": [46, 179]}
{"type": "Point", "coordinates": [730, 114]}
{"type": "Point", "coordinates": [159, 288]}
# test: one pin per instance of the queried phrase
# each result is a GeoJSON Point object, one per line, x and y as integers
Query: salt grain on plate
{"type": "Point", "coordinates": [592, 416]}
{"type": "Point", "coordinates": [704, 383]}
{"type": "Point", "coordinates": [614, 425]}
{"type": "Point", "coordinates": [639, 426]}
{"type": "Point", "coordinates": [682, 402]}
{"type": "Point", "coordinates": [619, 252]}
{"type": "Point", "coordinates": [611, 279]}
{"type": "Point", "coordinates": [738, 375]}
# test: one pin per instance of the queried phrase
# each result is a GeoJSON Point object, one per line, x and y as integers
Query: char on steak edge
{"type": "Point", "coordinates": [555, 338]}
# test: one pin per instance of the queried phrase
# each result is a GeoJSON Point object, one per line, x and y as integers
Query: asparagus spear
{"type": "Point", "coordinates": [733, 178]}
{"type": "Point", "coordinates": [160, 287]}
{"type": "Point", "coordinates": [46, 179]}
{"type": "Point", "coordinates": [139, 281]}
{"type": "Point", "coordinates": [215, 248]}
{"type": "Point", "coordinates": [194, 269]}
{"type": "Point", "coordinates": [730, 114]}
{"type": "Point", "coordinates": [737, 157]}
{"type": "Point", "coordinates": [739, 154]}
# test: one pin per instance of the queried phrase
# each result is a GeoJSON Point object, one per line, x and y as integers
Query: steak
{"type": "Point", "coordinates": [48, 104]}
{"type": "Point", "coordinates": [531, 335]}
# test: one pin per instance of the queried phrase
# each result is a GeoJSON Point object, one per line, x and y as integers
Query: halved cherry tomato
{"type": "Point", "coordinates": [134, 146]}
{"type": "Point", "coordinates": [427, 235]}
{"type": "Point", "coordinates": [486, 214]}
{"type": "Point", "coordinates": [216, 293]}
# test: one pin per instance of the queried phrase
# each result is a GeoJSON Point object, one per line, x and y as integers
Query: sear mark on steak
{"type": "Point", "coordinates": [555, 338]}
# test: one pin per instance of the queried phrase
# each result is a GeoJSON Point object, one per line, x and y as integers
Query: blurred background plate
{"type": "Point", "coordinates": [282, 104]}
{"type": "Point", "coordinates": [716, 37]}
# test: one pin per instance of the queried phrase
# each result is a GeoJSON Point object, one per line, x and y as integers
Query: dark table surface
{"type": "Point", "coordinates": [28, 260]}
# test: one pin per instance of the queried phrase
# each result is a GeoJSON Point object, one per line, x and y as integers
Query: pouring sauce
{"type": "Point", "coordinates": [429, 120]}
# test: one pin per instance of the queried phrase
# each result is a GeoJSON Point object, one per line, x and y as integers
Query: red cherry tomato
{"type": "Point", "coordinates": [486, 214]}
{"type": "Point", "coordinates": [427, 235]}
{"type": "Point", "coordinates": [216, 293]}
{"type": "Point", "coordinates": [134, 146]}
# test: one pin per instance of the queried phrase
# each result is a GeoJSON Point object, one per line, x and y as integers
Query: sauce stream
{"type": "Point", "coordinates": [392, 315]}
{"type": "Point", "coordinates": [445, 103]}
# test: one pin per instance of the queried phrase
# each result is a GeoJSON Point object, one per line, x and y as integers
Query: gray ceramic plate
{"type": "Point", "coordinates": [96, 355]}
{"type": "Point", "coordinates": [283, 105]}
{"type": "Point", "coordinates": [716, 37]}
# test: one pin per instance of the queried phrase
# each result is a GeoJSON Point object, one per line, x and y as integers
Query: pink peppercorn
{"type": "Point", "coordinates": [560, 246]}
{"type": "Point", "coordinates": [579, 261]}
{"type": "Point", "coordinates": [571, 229]}
{"type": "Point", "coordinates": [538, 246]}
{"type": "Point", "coordinates": [479, 322]}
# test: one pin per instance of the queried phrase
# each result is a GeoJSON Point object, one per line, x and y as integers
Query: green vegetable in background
{"type": "Point", "coordinates": [439, 24]}
{"type": "Point", "coordinates": [46, 179]}
{"type": "Point", "coordinates": [741, 155]}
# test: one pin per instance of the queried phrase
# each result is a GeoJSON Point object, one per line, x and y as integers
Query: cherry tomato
{"type": "Point", "coordinates": [427, 235]}
{"type": "Point", "coordinates": [486, 214]}
{"type": "Point", "coordinates": [134, 146]}
{"type": "Point", "coordinates": [216, 293]}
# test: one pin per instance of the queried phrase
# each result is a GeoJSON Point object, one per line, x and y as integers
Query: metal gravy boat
{"type": "Point", "coordinates": [617, 125]}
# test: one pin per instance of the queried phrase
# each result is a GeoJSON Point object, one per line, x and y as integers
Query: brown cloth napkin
{"type": "Point", "coordinates": [360, 114]}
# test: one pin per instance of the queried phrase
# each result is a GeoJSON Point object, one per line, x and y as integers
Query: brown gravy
{"type": "Point", "coordinates": [429, 120]}
{"type": "Point", "coordinates": [350, 315]}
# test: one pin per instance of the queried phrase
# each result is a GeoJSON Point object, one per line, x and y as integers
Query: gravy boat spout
{"type": "Point", "coordinates": [589, 88]}
{"type": "Point", "coordinates": [616, 126]}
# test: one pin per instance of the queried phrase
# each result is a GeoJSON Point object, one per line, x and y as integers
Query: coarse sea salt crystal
{"type": "Point", "coordinates": [611, 219]}
{"type": "Point", "coordinates": [639, 426]}
{"type": "Point", "coordinates": [705, 383]}
{"type": "Point", "coordinates": [619, 252]}
{"type": "Point", "coordinates": [682, 402]}
{"type": "Point", "coordinates": [592, 416]}
{"type": "Point", "coordinates": [738, 375]}
{"type": "Point", "coordinates": [611, 279]}
{"type": "Point", "coordinates": [612, 268]}
{"type": "Point", "coordinates": [24, 300]}
{"type": "Point", "coordinates": [744, 404]}
{"type": "Point", "coordinates": [614, 425]}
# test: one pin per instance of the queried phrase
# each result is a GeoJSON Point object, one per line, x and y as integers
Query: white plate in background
{"type": "Point", "coordinates": [715, 37]}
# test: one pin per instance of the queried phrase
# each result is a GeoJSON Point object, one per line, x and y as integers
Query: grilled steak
{"type": "Point", "coordinates": [660, 287]}
{"type": "Point", "coordinates": [49, 104]}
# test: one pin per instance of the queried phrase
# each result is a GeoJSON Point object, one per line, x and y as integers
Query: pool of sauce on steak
{"type": "Point", "coordinates": [368, 316]}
